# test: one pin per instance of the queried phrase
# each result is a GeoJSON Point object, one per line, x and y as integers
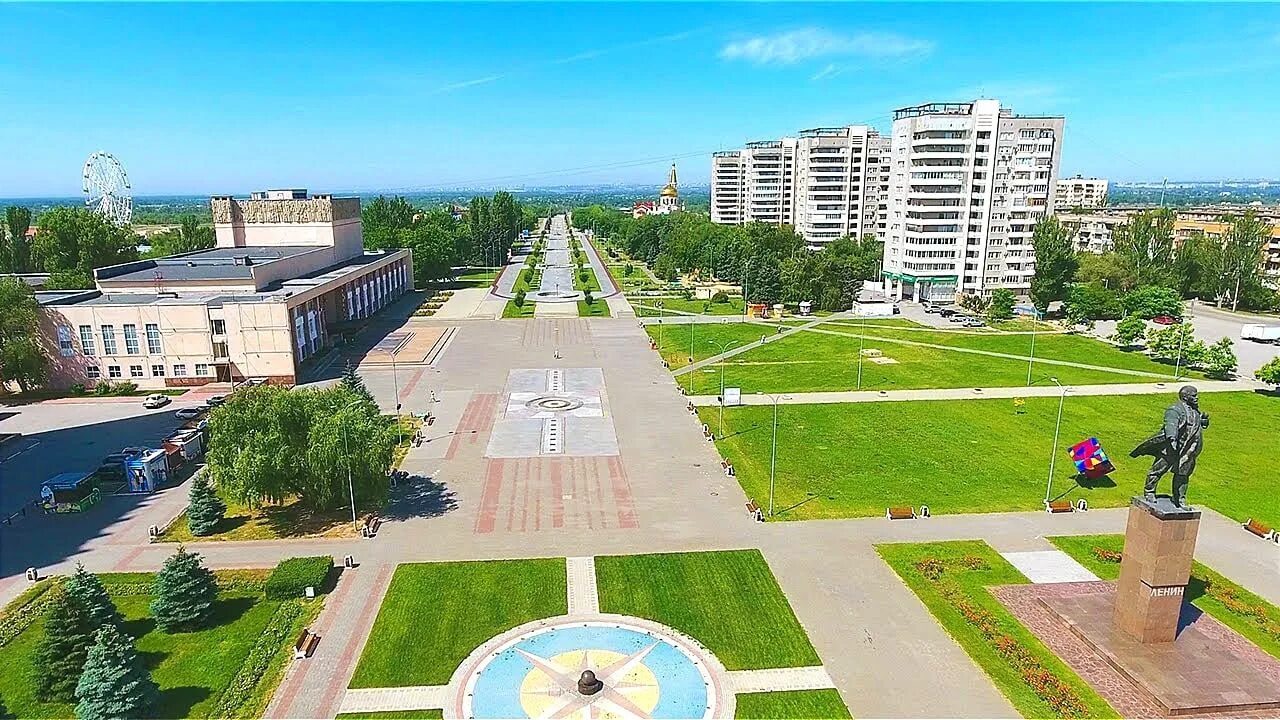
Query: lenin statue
{"type": "Point", "coordinates": [1177, 445]}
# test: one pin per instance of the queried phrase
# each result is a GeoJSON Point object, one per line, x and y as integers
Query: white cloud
{"type": "Point", "coordinates": [796, 45]}
{"type": "Point", "coordinates": [826, 73]}
{"type": "Point", "coordinates": [467, 83]}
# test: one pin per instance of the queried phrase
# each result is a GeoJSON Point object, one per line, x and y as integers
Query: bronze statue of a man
{"type": "Point", "coordinates": [1177, 445]}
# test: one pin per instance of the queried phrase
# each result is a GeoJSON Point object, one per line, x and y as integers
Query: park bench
{"type": "Point", "coordinates": [1263, 531]}
{"type": "Point", "coordinates": [1059, 506]}
{"type": "Point", "coordinates": [755, 510]}
{"type": "Point", "coordinates": [305, 644]}
{"type": "Point", "coordinates": [900, 513]}
{"type": "Point", "coordinates": [370, 526]}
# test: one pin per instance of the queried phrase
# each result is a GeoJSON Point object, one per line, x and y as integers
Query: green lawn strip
{"type": "Point", "coordinates": [701, 307]}
{"type": "Point", "coordinates": [815, 704]}
{"type": "Point", "coordinates": [598, 308]}
{"type": "Point", "coordinates": [394, 715]}
{"type": "Point", "coordinates": [1229, 603]}
{"type": "Point", "coordinates": [968, 568]}
{"type": "Point", "coordinates": [728, 601]}
{"type": "Point", "coordinates": [511, 310]}
{"type": "Point", "coordinates": [848, 460]}
{"type": "Point", "coordinates": [192, 669]}
{"type": "Point", "coordinates": [801, 361]}
{"type": "Point", "coordinates": [435, 614]}
{"type": "Point", "coordinates": [1049, 346]}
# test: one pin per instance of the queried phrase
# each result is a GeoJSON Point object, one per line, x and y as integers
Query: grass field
{"type": "Point", "coordinates": [1207, 590]}
{"type": "Point", "coordinates": [648, 306]}
{"type": "Point", "coordinates": [971, 567]}
{"type": "Point", "coordinates": [192, 669]}
{"type": "Point", "coordinates": [856, 459]}
{"type": "Point", "coordinates": [598, 308]}
{"type": "Point", "coordinates": [435, 614]}
{"type": "Point", "coordinates": [798, 704]}
{"type": "Point", "coordinates": [803, 361]}
{"type": "Point", "coordinates": [728, 601]}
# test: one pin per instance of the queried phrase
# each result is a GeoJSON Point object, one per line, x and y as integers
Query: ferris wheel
{"type": "Point", "coordinates": [106, 188]}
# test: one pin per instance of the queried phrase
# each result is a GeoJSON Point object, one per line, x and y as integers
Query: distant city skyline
{"type": "Point", "coordinates": [205, 99]}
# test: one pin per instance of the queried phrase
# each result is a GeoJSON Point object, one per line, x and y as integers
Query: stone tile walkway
{"type": "Point", "coordinates": [583, 595]}
{"type": "Point", "coordinates": [780, 679]}
{"type": "Point", "coordinates": [372, 700]}
{"type": "Point", "coordinates": [1049, 566]}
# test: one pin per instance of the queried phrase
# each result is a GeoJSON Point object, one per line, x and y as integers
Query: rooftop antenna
{"type": "Point", "coordinates": [158, 278]}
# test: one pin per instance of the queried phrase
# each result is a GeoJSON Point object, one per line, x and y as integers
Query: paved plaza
{"type": "Point", "coordinates": [566, 438]}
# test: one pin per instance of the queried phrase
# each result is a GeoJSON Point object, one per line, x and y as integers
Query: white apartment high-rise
{"type": "Point", "coordinates": [1080, 192]}
{"type": "Point", "coordinates": [769, 174]}
{"type": "Point", "coordinates": [837, 182]}
{"type": "Point", "coordinates": [968, 183]}
{"type": "Point", "coordinates": [727, 187]}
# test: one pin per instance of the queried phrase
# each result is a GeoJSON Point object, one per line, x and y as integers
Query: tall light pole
{"type": "Point", "coordinates": [395, 382]}
{"type": "Point", "coordinates": [1177, 367]}
{"type": "Point", "coordinates": [724, 348]}
{"type": "Point", "coordinates": [1048, 488]}
{"type": "Point", "coordinates": [862, 337]}
{"type": "Point", "coordinates": [773, 454]}
{"type": "Point", "coordinates": [1035, 320]}
{"type": "Point", "coordinates": [691, 326]}
{"type": "Point", "coordinates": [346, 446]}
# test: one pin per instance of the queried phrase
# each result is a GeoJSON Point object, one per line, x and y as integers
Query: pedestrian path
{"type": "Point", "coordinates": [584, 599]}
{"type": "Point", "coordinates": [1049, 566]}
{"type": "Point", "coordinates": [394, 699]}
{"type": "Point", "coordinates": [860, 396]}
{"type": "Point", "coordinates": [780, 679]}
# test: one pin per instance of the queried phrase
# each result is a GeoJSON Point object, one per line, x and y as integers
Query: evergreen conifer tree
{"type": "Point", "coordinates": [88, 589]}
{"type": "Point", "coordinates": [184, 592]}
{"type": "Point", "coordinates": [115, 684]}
{"type": "Point", "coordinates": [60, 654]}
{"type": "Point", "coordinates": [205, 508]}
{"type": "Point", "coordinates": [352, 381]}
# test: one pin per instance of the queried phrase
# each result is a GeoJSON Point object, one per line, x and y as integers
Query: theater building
{"type": "Point", "coordinates": [288, 271]}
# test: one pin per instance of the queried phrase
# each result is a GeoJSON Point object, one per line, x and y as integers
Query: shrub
{"type": "Point", "coordinates": [255, 666]}
{"type": "Point", "coordinates": [126, 388]}
{"type": "Point", "coordinates": [206, 509]}
{"type": "Point", "coordinates": [1106, 555]}
{"type": "Point", "coordinates": [78, 389]}
{"type": "Point", "coordinates": [720, 298]}
{"type": "Point", "coordinates": [1269, 373]}
{"type": "Point", "coordinates": [103, 388]}
{"type": "Point", "coordinates": [520, 298]}
{"type": "Point", "coordinates": [1130, 330]}
{"type": "Point", "coordinates": [293, 576]}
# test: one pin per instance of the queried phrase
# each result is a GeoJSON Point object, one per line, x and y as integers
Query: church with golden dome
{"type": "Point", "coordinates": [668, 199]}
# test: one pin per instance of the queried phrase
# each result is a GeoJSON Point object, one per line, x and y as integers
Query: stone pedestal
{"type": "Point", "coordinates": [1159, 542]}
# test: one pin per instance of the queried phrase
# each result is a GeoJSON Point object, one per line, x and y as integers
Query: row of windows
{"type": "Point", "coordinates": [109, 346]}
{"type": "Point", "coordinates": [135, 371]}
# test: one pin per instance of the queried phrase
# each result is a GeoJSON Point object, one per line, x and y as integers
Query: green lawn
{"type": "Point", "coordinates": [969, 567]}
{"type": "Point", "coordinates": [192, 669]}
{"type": "Point", "coordinates": [798, 704]}
{"type": "Point", "coordinates": [511, 310]}
{"type": "Point", "coordinates": [1243, 611]}
{"type": "Point", "coordinates": [802, 361]}
{"type": "Point", "coordinates": [701, 307]}
{"type": "Point", "coordinates": [598, 308]}
{"type": "Point", "coordinates": [728, 601]}
{"type": "Point", "coordinates": [856, 459]}
{"type": "Point", "coordinates": [435, 614]}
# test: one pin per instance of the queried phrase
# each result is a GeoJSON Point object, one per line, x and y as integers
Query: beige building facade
{"type": "Point", "coordinates": [288, 274]}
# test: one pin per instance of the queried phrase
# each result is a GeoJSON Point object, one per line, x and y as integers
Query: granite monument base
{"type": "Point", "coordinates": [1159, 543]}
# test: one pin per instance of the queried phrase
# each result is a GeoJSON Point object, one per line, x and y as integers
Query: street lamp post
{"type": "Point", "coordinates": [691, 327]}
{"type": "Point", "coordinates": [346, 446]}
{"type": "Point", "coordinates": [1177, 367]}
{"type": "Point", "coordinates": [773, 453]}
{"type": "Point", "coordinates": [1035, 320]}
{"type": "Point", "coordinates": [395, 383]}
{"type": "Point", "coordinates": [1048, 488]}
{"type": "Point", "coordinates": [724, 348]}
{"type": "Point", "coordinates": [862, 337]}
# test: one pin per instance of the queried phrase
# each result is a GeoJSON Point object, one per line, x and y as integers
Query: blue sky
{"type": "Point", "coordinates": [233, 97]}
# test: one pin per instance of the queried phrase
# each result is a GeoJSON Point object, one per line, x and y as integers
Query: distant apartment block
{"type": "Point", "coordinates": [288, 273]}
{"type": "Point", "coordinates": [1080, 192]}
{"type": "Point", "coordinates": [968, 182]}
{"type": "Point", "coordinates": [728, 186]}
{"type": "Point", "coordinates": [1092, 232]}
{"type": "Point", "coordinates": [769, 177]}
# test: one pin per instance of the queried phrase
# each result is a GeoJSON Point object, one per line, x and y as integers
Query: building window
{"type": "Point", "coordinates": [135, 371]}
{"type": "Point", "coordinates": [109, 340]}
{"type": "Point", "coordinates": [153, 339]}
{"type": "Point", "coordinates": [219, 327]}
{"type": "Point", "coordinates": [113, 371]}
{"type": "Point", "coordinates": [92, 372]}
{"type": "Point", "coordinates": [300, 334]}
{"type": "Point", "coordinates": [179, 370]}
{"type": "Point", "coordinates": [157, 371]}
{"type": "Point", "coordinates": [86, 339]}
{"type": "Point", "coordinates": [202, 369]}
{"type": "Point", "coordinates": [219, 349]}
{"type": "Point", "coordinates": [65, 348]}
{"type": "Point", "coordinates": [131, 339]}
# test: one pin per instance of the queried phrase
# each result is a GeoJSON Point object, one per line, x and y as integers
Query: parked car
{"type": "Point", "coordinates": [1164, 320]}
{"type": "Point", "coordinates": [946, 312]}
{"type": "Point", "coordinates": [155, 401]}
{"type": "Point", "coordinates": [189, 413]}
{"type": "Point", "coordinates": [974, 323]}
{"type": "Point", "coordinates": [931, 308]}
{"type": "Point", "coordinates": [215, 400]}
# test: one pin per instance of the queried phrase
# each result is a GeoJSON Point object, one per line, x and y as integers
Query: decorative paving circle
{"type": "Point", "coordinates": [644, 669]}
{"type": "Point", "coordinates": [554, 295]}
{"type": "Point", "coordinates": [554, 403]}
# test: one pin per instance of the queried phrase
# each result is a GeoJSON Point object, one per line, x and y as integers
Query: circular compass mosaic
{"type": "Point", "coordinates": [614, 667]}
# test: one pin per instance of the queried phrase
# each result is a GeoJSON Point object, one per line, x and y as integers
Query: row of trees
{"type": "Point", "coordinates": [270, 443]}
{"type": "Point", "coordinates": [439, 239]}
{"type": "Point", "coordinates": [22, 357]}
{"type": "Point", "coordinates": [71, 242]}
{"type": "Point", "coordinates": [770, 261]}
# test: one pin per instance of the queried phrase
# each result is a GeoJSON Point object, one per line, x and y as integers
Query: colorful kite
{"type": "Point", "coordinates": [1090, 459]}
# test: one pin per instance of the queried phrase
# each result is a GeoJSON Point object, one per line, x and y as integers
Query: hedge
{"type": "Point", "coordinates": [24, 610]}
{"type": "Point", "coordinates": [255, 666]}
{"type": "Point", "coordinates": [292, 577]}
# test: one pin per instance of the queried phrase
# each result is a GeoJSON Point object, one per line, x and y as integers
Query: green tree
{"type": "Point", "coordinates": [205, 509]}
{"type": "Point", "coordinates": [60, 652]}
{"type": "Point", "coordinates": [354, 439]}
{"type": "Point", "coordinates": [189, 236]}
{"type": "Point", "coordinates": [115, 683]}
{"type": "Point", "coordinates": [22, 357]}
{"type": "Point", "coordinates": [1269, 373]}
{"type": "Point", "coordinates": [382, 218]}
{"type": "Point", "coordinates": [17, 221]}
{"type": "Point", "coordinates": [1001, 304]}
{"type": "Point", "coordinates": [1220, 360]}
{"type": "Point", "coordinates": [1151, 301]}
{"type": "Point", "coordinates": [1091, 301]}
{"type": "Point", "coordinates": [1243, 253]}
{"type": "Point", "coordinates": [80, 239]}
{"type": "Point", "coordinates": [352, 381]}
{"type": "Point", "coordinates": [1176, 344]}
{"type": "Point", "coordinates": [1106, 269]}
{"type": "Point", "coordinates": [87, 589]}
{"type": "Point", "coordinates": [1145, 248]}
{"type": "Point", "coordinates": [1056, 263]}
{"type": "Point", "coordinates": [1130, 330]}
{"type": "Point", "coordinates": [183, 593]}
{"type": "Point", "coordinates": [520, 298]}
{"type": "Point", "coordinates": [69, 280]}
